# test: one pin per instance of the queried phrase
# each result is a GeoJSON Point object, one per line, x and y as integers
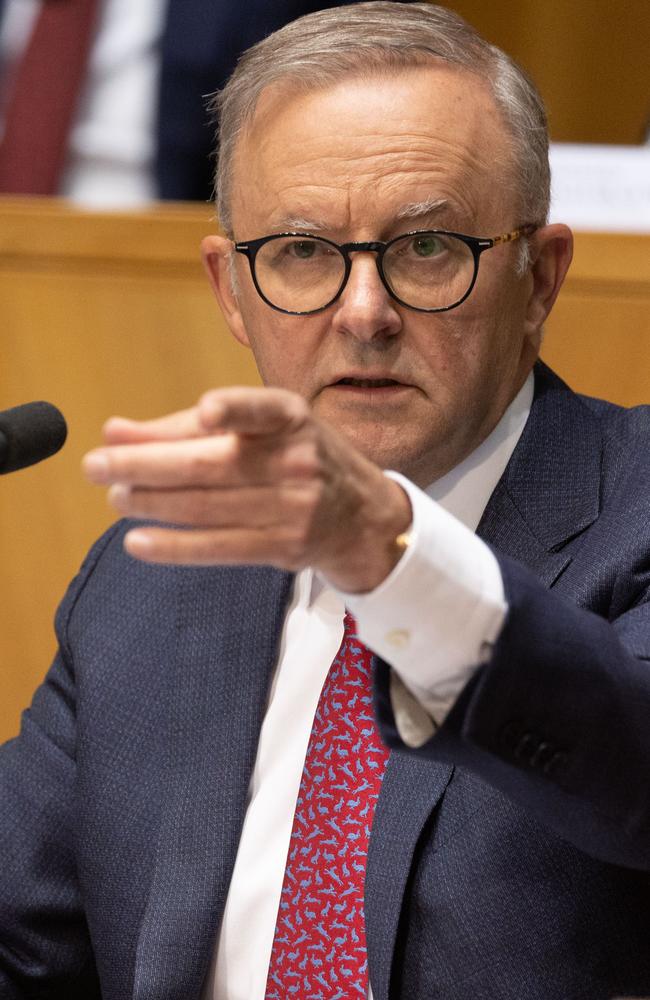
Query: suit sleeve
{"type": "Point", "coordinates": [45, 948]}
{"type": "Point", "coordinates": [557, 719]}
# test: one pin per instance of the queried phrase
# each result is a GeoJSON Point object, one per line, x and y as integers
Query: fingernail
{"type": "Point", "coordinates": [138, 543]}
{"type": "Point", "coordinates": [115, 423]}
{"type": "Point", "coordinates": [96, 467]}
{"type": "Point", "coordinates": [119, 496]}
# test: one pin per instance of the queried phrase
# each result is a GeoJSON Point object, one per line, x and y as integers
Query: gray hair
{"type": "Point", "coordinates": [379, 36]}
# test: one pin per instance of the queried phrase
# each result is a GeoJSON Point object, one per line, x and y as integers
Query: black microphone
{"type": "Point", "coordinates": [28, 434]}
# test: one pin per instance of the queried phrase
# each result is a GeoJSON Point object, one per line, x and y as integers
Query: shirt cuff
{"type": "Point", "coordinates": [435, 618]}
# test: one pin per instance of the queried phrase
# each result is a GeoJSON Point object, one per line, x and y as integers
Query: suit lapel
{"type": "Point", "coordinates": [411, 789]}
{"type": "Point", "coordinates": [550, 491]}
{"type": "Point", "coordinates": [549, 494]}
{"type": "Point", "coordinates": [228, 629]}
{"type": "Point", "coordinates": [504, 528]}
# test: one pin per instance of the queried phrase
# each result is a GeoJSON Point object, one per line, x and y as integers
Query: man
{"type": "Point", "coordinates": [371, 158]}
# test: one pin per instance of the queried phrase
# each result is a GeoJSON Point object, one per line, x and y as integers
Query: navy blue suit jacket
{"type": "Point", "coordinates": [509, 856]}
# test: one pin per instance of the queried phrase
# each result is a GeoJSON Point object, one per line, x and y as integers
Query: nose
{"type": "Point", "coordinates": [365, 310]}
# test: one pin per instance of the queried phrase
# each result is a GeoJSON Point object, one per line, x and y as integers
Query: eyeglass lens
{"type": "Point", "coordinates": [425, 270]}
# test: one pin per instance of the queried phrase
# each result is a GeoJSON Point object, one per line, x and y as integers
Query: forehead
{"type": "Point", "coordinates": [366, 148]}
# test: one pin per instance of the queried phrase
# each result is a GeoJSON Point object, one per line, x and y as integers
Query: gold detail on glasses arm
{"type": "Point", "coordinates": [514, 234]}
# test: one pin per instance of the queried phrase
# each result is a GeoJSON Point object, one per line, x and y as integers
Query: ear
{"type": "Point", "coordinates": [216, 254]}
{"type": "Point", "coordinates": [551, 249]}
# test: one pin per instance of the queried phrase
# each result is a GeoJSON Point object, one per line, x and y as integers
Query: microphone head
{"type": "Point", "coordinates": [28, 434]}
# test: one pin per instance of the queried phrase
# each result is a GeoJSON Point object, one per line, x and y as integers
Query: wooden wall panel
{"type": "Point", "coordinates": [598, 335]}
{"type": "Point", "coordinates": [99, 314]}
{"type": "Point", "coordinates": [589, 59]}
{"type": "Point", "coordinates": [111, 313]}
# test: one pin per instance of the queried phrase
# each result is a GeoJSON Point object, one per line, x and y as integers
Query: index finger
{"type": "Point", "coordinates": [173, 427]}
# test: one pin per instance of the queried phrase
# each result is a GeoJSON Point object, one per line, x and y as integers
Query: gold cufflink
{"type": "Point", "coordinates": [403, 540]}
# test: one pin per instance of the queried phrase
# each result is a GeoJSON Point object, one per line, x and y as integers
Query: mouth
{"type": "Point", "coordinates": [369, 383]}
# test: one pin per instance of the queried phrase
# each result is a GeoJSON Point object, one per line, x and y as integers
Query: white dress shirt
{"type": "Point", "coordinates": [433, 619]}
{"type": "Point", "coordinates": [112, 143]}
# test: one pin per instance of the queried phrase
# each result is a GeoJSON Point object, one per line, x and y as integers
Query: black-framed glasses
{"type": "Point", "coordinates": [430, 271]}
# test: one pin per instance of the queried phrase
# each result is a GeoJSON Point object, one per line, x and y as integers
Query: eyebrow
{"type": "Point", "coordinates": [299, 225]}
{"type": "Point", "coordinates": [412, 210]}
{"type": "Point", "coordinates": [417, 209]}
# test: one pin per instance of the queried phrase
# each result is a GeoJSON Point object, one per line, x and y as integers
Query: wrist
{"type": "Point", "coordinates": [382, 537]}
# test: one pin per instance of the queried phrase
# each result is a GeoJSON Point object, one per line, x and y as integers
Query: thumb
{"type": "Point", "coordinates": [245, 410]}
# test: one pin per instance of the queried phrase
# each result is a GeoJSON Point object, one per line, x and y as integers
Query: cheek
{"type": "Point", "coordinates": [467, 357]}
{"type": "Point", "coordinates": [488, 327]}
{"type": "Point", "coordinates": [283, 346]}
{"type": "Point", "coordinates": [451, 352]}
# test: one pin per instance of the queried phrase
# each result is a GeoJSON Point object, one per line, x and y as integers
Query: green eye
{"type": "Point", "coordinates": [426, 246]}
{"type": "Point", "coordinates": [304, 249]}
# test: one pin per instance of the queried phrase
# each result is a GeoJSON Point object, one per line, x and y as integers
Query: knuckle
{"type": "Point", "coordinates": [199, 466]}
{"type": "Point", "coordinates": [302, 460]}
{"type": "Point", "coordinates": [204, 461]}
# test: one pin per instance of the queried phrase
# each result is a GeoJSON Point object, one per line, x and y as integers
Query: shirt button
{"type": "Point", "coordinates": [399, 638]}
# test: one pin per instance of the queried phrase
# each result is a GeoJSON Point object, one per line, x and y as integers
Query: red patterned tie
{"type": "Point", "coordinates": [44, 97]}
{"type": "Point", "coordinates": [319, 949]}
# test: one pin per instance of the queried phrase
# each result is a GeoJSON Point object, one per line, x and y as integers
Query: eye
{"type": "Point", "coordinates": [306, 249]}
{"type": "Point", "coordinates": [291, 252]}
{"type": "Point", "coordinates": [427, 246]}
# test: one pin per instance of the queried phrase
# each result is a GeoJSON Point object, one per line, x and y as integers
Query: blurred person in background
{"type": "Point", "coordinates": [111, 111]}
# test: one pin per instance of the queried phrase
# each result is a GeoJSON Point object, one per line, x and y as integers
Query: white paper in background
{"type": "Point", "coordinates": [601, 188]}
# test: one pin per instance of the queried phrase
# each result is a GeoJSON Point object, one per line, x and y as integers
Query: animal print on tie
{"type": "Point", "coordinates": [319, 949]}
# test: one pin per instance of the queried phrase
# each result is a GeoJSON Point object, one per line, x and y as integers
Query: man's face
{"type": "Point", "coordinates": [369, 160]}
